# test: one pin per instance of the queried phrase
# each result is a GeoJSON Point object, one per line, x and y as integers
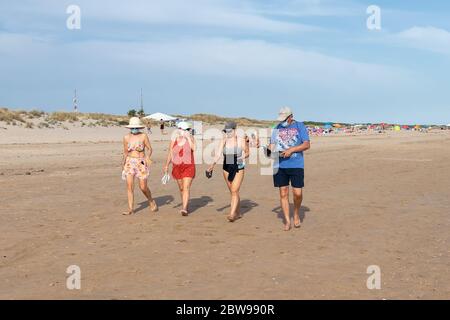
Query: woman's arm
{"type": "Point", "coordinates": [190, 139]}
{"type": "Point", "coordinates": [148, 145]}
{"type": "Point", "coordinates": [169, 157]}
{"type": "Point", "coordinates": [246, 148]}
{"type": "Point", "coordinates": [125, 150]}
{"type": "Point", "coordinates": [217, 155]}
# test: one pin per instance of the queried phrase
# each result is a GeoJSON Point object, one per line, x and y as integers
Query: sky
{"type": "Point", "coordinates": [231, 58]}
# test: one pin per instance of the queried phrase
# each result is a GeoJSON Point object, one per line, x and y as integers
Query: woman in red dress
{"type": "Point", "coordinates": [181, 155]}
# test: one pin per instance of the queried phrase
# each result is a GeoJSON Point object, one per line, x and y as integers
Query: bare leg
{"type": "Point", "coordinates": [130, 193]}
{"type": "Point", "coordinates": [234, 188]}
{"type": "Point", "coordinates": [186, 192]}
{"type": "Point", "coordinates": [181, 186]}
{"type": "Point", "coordinates": [146, 191]}
{"type": "Point", "coordinates": [298, 198]}
{"type": "Point", "coordinates": [284, 202]}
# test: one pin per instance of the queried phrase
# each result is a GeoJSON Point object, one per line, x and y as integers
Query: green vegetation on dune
{"type": "Point", "coordinates": [10, 117]}
{"type": "Point", "coordinates": [40, 119]}
{"type": "Point", "coordinates": [215, 119]}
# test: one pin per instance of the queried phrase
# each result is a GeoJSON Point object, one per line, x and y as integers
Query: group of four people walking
{"type": "Point", "coordinates": [288, 142]}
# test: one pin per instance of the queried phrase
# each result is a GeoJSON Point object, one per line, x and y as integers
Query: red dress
{"type": "Point", "coordinates": [183, 165]}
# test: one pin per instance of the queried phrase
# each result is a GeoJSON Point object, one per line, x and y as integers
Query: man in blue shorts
{"type": "Point", "coordinates": [289, 139]}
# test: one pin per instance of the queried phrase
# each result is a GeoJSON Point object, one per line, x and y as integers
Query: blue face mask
{"type": "Point", "coordinates": [284, 124]}
{"type": "Point", "coordinates": [135, 131]}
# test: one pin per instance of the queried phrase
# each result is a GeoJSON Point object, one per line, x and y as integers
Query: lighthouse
{"type": "Point", "coordinates": [75, 101]}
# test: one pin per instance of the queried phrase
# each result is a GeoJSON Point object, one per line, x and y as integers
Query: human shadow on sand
{"type": "Point", "coordinates": [246, 206]}
{"type": "Point", "coordinates": [160, 201]}
{"type": "Point", "coordinates": [197, 203]}
{"type": "Point", "coordinates": [280, 213]}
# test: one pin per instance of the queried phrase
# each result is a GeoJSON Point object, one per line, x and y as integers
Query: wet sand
{"type": "Point", "coordinates": [369, 200]}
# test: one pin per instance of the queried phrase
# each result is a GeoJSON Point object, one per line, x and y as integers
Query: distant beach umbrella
{"type": "Point", "coordinates": [158, 116]}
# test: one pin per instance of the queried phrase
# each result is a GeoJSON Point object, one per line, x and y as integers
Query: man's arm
{"type": "Point", "coordinates": [303, 147]}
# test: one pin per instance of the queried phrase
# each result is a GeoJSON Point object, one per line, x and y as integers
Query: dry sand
{"type": "Point", "coordinates": [370, 200]}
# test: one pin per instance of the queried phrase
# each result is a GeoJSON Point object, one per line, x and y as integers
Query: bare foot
{"type": "Point", "coordinates": [297, 222]}
{"type": "Point", "coordinates": [127, 213]}
{"type": "Point", "coordinates": [184, 213]}
{"type": "Point", "coordinates": [153, 206]}
{"type": "Point", "coordinates": [233, 219]}
{"type": "Point", "coordinates": [287, 227]}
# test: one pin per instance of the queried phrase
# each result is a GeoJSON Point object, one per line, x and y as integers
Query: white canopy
{"type": "Point", "coordinates": [158, 116]}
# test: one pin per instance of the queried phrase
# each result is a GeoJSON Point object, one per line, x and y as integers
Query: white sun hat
{"type": "Point", "coordinates": [184, 125]}
{"type": "Point", "coordinates": [284, 113]}
{"type": "Point", "coordinates": [135, 122]}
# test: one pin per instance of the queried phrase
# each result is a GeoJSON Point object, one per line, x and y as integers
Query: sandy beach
{"type": "Point", "coordinates": [369, 200]}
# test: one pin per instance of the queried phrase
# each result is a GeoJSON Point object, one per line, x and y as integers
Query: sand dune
{"type": "Point", "coordinates": [370, 200]}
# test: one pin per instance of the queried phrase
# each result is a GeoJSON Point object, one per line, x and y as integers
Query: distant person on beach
{"type": "Point", "coordinates": [161, 126]}
{"type": "Point", "coordinates": [181, 155]}
{"type": "Point", "coordinates": [136, 163]}
{"type": "Point", "coordinates": [289, 140]}
{"type": "Point", "coordinates": [234, 150]}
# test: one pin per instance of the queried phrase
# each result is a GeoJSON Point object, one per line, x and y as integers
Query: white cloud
{"type": "Point", "coordinates": [317, 8]}
{"type": "Point", "coordinates": [251, 59]}
{"type": "Point", "coordinates": [247, 58]}
{"type": "Point", "coordinates": [230, 14]}
{"type": "Point", "coordinates": [426, 38]}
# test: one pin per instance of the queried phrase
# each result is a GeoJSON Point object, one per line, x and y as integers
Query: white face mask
{"type": "Point", "coordinates": [228, 133]}
{"type": "Point", "coordinates": [285, 123]}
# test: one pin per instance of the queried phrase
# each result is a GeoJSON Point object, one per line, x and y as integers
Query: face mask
{"type": "Point", "coordinates": [135, 131]}
{"type": "Point", "coordinates": [229, 133]}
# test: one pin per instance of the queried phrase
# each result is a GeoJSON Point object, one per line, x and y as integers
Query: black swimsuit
{"type": "Point", "coordinates": [232, 161]}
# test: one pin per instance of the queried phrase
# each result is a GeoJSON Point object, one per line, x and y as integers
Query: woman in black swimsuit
{"type": "Point", "coordinates": [234, 150]}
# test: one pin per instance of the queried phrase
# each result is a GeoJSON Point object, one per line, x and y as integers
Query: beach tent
{"type": "Point", "coordinates": [158, 116]}
{"type": "Point", "coordinates": [337, 125]}
{"type": "Point", "coordinates": [397, 128]}
{"type": "Point", "coordinates": [328, 126]}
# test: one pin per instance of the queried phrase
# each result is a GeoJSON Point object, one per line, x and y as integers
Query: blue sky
{"type": "Point", "coordinates": [232, 58]}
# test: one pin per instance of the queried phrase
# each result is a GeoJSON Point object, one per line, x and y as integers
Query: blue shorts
{"type": "Point", "coordinates": [294, 176]}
